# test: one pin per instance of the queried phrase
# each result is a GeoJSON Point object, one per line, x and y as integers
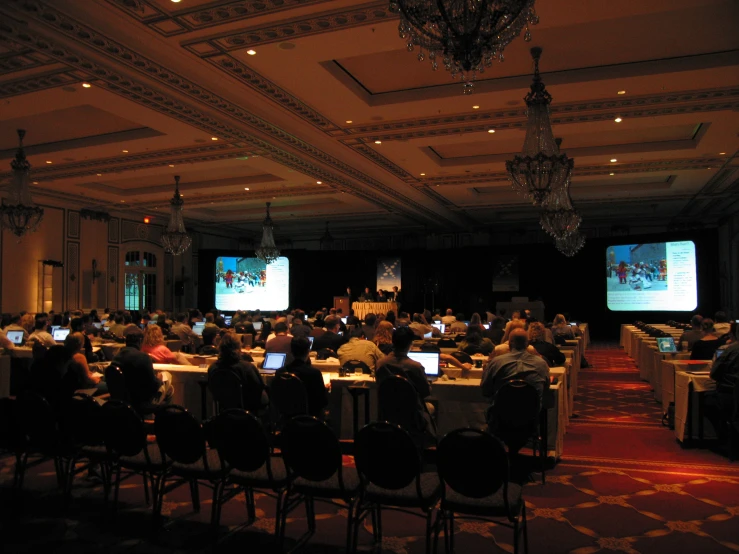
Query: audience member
{"type": "Point", "coordinates": [154, 346]}
{"type": "Point", "coordinates": [475, 342]}
{"type": "Point", "coordinates": [187, 336]}
{"type": "Point", "coordinates": [449, 318]}
{"type": "Point", "coordinates": [253, 392]}
{"type": "Point", "coordinates": [359, 348]}
{"type": "Point", "coordinates": [458, 325]}
{"type": "Point", "coordinates": [690, 336]}
{"type": "Point", "coordinates": [311, 377]}
{"type": "Point", "coordinates": [330, 339]}
{"type": "Point", "coordinates": [15, 325]}
{"type": "Point", "coordinates": [384, 337]}
{"type": "Point", "coordinates": [497, 330]}
{"type": "Point", "coordinates": [40, 335]}
{"type": "Point", "coordinates": [537, 339]}
{"type": "Point", "coordinates": [704, 348]}
{"type": "Point", "coordinates": [144, 386]}
{"type": "Point", "coordinates": [281, 341]}
{"type": "Point", "coordinates": [369, 326]}
{"type": "Point", "coordinates": [419, 327]}
{"type": "Point", "coordinates": [78, 374]}
{"type": "Point", "coordinates": [721, 324]}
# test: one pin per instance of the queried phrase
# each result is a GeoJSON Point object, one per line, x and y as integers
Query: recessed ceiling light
{"type": "Point", "coordinates": [722, 153]}
{"type": "Point", "coordinates": [246, 188]}
{"type": "Point", "coordinates": [35, 182]}
{"type": "Point", "coordinates": [122, 201]}
{"type": "Point", "coordinates": [376, 142]}
{"type": "Point", "coordinates": [319, 182]}
{"type": "Point", "coordinates": [621, 92]}
{"type": "Point", "coordinates": [86, 85]}
{"type": "Point", "coordinates": [618, 120]}
{"type": "Point", "coordinates": [613, 160]}
{"type": "Point", "coordinates": [349, 121]}
{"type": "Point", "coordinates": [100, 174]}
{"type": "Point", "coordinates": [611, 173]}
{"type": "Point", "coordinates": [48, 161]}
{"type": "Point", "coordinates": [475, 107]}
{"type": "Point", "coordinates": [422, 174]}
{"type": "Point", "coordinates": [176, 1]}
{"type": "Point", "coordinates": [491, 130]}
{"type": "Point", "coordinates": [251, 52]}
{"type": "Point", "coordinates": [124, 151]}
{"type": "Point", "coordinates": [171, 165]}
{"type": "Point", "coordinates": [213, 138]}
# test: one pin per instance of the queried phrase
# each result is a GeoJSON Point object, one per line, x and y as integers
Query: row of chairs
{"type": "Point", "coordinates": [231, 453]}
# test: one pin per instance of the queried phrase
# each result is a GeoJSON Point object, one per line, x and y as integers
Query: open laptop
{"type": "Point", "coordinates": [486, 325]}
{"type": "Point", "coordinates": [97, 325]}
{"type": "Point", "coordinates": [427, 335]}
{"type": "Point", "coordinates": [198, 327]}
{"type": "Point", "coordinates": [343, 320]}
{"type": "Point", "coordinates": [16, 337]}
{"type": "Point", "coordinates": [54, 328]}
{"type": "Point", "coordinates": [227, 320]}
{"type": "Point", "coordinates": [273, 361]}
{"type": "Point", "coordinates": [257, 325]}
{"type": "Point", "coordinates": [152, 322]}
{"type": "Point", "coordinates": [429, 361]}
{"type": "Point", "coordinates": [60, 334]}
{"type": "Point", "coordinates": [439, 326]}
{"type": "Point", "coordinates": [311, 339]}
{"type": "Point", "coordinates": [666, 345]}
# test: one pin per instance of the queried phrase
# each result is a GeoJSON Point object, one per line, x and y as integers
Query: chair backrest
{"type": "Point", "coordinates": [310, 449]}
{"type": "Point", "coordinates": [398, 402]}
{"type": "Point", "coordinates": [81, 420]}
{"type": "Point", "coordinates": [288, 395]}
{"type": "Point", "coordinates": [356, 366]}
{"type": "Point", "coordinates": [39, 422]}
{"type": "Point", "coordinates": [515, 412]}
{"type": "Point", "coordinates": [116, 382]}
{"type": "Point", "coordinates": [124, 433]}
{"type": "Point", "coordinates": [386, 456]}
{"type": "Point", "coordinates": [472, 463]}
{"type": "Point", "coordinates": [11, 436]}
{"type": "Point", "coordinates": [447, 343]}
{"type": "Point", "coordinates": [325, 353]}
{"type": "Point", "coordinates": [462, 357]}
{"type": "Point", "coordinates": [240, 439]}
{"type": "Point", "coordinates": [179, 434]}
{"type": "Point", "coordinates": [226, 388]}
{"type": "Point", "coordinates": [472, 349]}
{"type": "Point", "coordinates": [430, 347]}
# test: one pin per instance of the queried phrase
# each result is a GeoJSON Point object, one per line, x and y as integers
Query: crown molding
{"type": "Point", "coordinates": [51, 79]}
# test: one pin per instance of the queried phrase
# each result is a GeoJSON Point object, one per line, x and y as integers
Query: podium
{"type": "Point", "coordinates": [342, 303]}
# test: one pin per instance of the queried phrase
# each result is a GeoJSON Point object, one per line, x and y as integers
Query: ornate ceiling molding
{"type": "Point", "coordinates": [202, 200]}
{"type": "Point", "coordinates": [22, 60]}
{"type": "Point", "coordinates": [291, 29]}
{"type": "Point", "coordinates": [34, 83]}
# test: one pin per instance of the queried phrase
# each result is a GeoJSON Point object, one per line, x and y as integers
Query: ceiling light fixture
{"type": "Point", "coordinates": [48, 161]}
{"type": "Point", "coordinates": [267, 251]}
{"type": "Point", "coordinates": [559, 217]}
{"type": "Point", "coordinates": [171, 165]}
{"type": "Point", "coordinates": [35, 182]}
{"type": "Point", "coordinates": [611, 174]}
{"type": "Point", "coordinates": [491, 130]}
{"type": "Point", "coordinates": [213, 138]}
{"type": "Point", "coordinates": [99, 174]}
{"type": "Point", "coordinates": [618, 120]}
{"type": "Point", "coordinates": [378, 142]}
{"type": "Point", "coordinates": [423, 174]}
{"type": "Point", "coordinates": [475, 107]}
{"type": "Point", "coordinates": [571, 244]}
{"type": "Point", "coordinates": [467, 36]}
{"type": "Point", "coordinates": [613, 160]}
{"type": "Point", "coordinates": [349, 121]}
{"type": "Point", "coordinates": [176, 239]}
{"type": "Point", "coordinates": [124, 151]}
{"type": "Point", "coordinates": [86, 85]}
{"type": "Point", "coordinates": [319, 182]}
{"type": "Point", "coordinates": [251, 52]}
{"type": "Point", "coordinates": [326, 241]}
{"type": "Point", "coordinates": [621, 92]}
{"type": "Point", "coordinates": [722, 153]}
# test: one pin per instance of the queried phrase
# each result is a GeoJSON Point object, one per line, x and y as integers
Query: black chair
{"type": "Point", "coordinates": [130, 453]}
{"type": "Point", "coordinates": [244, 447]}
{"type": "Point", "coordinates": [356, 366]}
{"type": "Point", "coordinates": [116, 382]}
{"type": "Point", "coordinates": [460, 337]}
{"type": "Point", "coordinates": [429, 347]}
{"type": "Point", "coordinates": [312, 454]}
{"type": "Point", "coordinates": [462, 357]}
{"type": "Point", "coordinates": [288, 397]}
{"type": "Point", "coordinates": [181, 438]}
{"type": "Point", "coordinates": [473, 466]}
{"type": "Point", "coordinates": [390, 467]}
{"type": "Point", "coordinates": [399, 403]}
{"type": "Point", "coordinates": [516, 417]}
{"type": "Point", "coordinates": [447, 343]}
{"type": "Point", "coordinates": [226, 388]}
{"type": "Point", "coordinates": [12, 438]}
{"type": "Point", "coordinates": [325, 354]}
{"type": "Point", "coordinates": [472, 349]}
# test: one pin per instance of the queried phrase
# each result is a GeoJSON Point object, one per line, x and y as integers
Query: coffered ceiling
{"type": "Point", "coordinates": [317, 107]}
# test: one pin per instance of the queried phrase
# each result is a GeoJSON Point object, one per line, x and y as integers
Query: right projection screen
{"type": "Point", "coordinates": [659, 276]}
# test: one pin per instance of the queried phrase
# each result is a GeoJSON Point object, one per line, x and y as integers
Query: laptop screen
{"type": "Point", "coordinates": [97, 325]}
{"type": "Point", "coordinates": [60, 334]}
{"type": "Point", "coordinates": [718, 352]}
{"type": "Point", "coordinates": [54, 328]}
{"type": "Point", "coordinates": [198, 327]}
{"type": "Point", "coordinates": [427, 335]}
{"type": "Point", "coordinates": [152, 322]}
{"type": "Point", "coordinates": [274, 361]}
{"type": "Point", "coordinates": [257, 325]}
{"type": "Point", "coordinates": [343, 320]}
{"type": "Point", "coordinates": [227, 320]}
{"type": "Point", "coordinates": [429, 361]}
{"type": "Point", "coordinates": [666, 344]}
{"type": "Point", "coordinates": [486, 325]}
{"type": "Point", "coordinates": [311, 339]}
{"type": "Point", "coordinates": [16, 337]}
{"type": "Point", "coordinates": [439, 326]}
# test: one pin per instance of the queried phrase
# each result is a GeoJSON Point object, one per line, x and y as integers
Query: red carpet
{"type": "Point", "coordinates": [624, 485]}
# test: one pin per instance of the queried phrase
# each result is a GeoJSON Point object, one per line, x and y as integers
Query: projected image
{"type": "Point", "coordinates": [651, 277]}
{"type": "Point", "coordinates": [250, 284]}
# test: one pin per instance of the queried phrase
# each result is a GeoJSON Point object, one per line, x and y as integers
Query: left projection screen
{"type": "Point", "coordinates": [250, 284]}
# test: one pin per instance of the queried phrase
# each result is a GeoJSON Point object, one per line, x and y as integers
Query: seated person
{"type": "Point", "coordinates": [40, 335]}
{"type": "Point", "coordinates": [359, 348]}
{"type": "Point", "coordinates": [704, 348]}
{"type": "Point", "coordinates": [78, 374]}
{"type": "Point", "coordinates": [330, 339]}
{"type": "Point", "coordinates": [504, 347]}
{"type": "Point", "coordinates": [449, 318]}
{"type": "Point", "coordinates": [311, 377]}
{"type": "Point", "coordinates": [230, 359]}
{"type": "Point", "coordinates": [118, 326]}
{"type": "Point", "coordinates": [5, 341]}
{"type": "Point", "coordinates": [77, 325]}
{"type": "Point", "coordinates": [458, 326]}
{"type": "Point", "coordinates": [299, 327]}
{"type": "Point", "coordinates": [15, 325]}
{"type": "Point", "coordinates": [184, 332]}
{"type": "Point", "coordinates": [352, 319]}
{"type": "Point", "coordinates": [721, 324]}
{"type": "Point", "coordinates": [367, 295]}
{"type": "Point", "coordinates": [692, 335]}
{"type": "Point", "coordinates": [402, 320]}
{"type": "Point", "coordinates": [281, 341]}
{"type": "Point", "coordinates": [475, 343]}
{"type": "Point", "coordinates": [419, 327]}
{"type": "Point", "coordinates": [537, 338]}
{"type": "Point", "coordinates": [369, 326]}
{"type": "Point", "coordinates": [496, 331]}
{"type": "Point", "coordinates": [154, 346]}
{"type": "Point", "coordinates": [144, 386]}
{"type": "Point", "coordinates": [561, 330]}
{"type": "Point", "coordinates": [384, 337]}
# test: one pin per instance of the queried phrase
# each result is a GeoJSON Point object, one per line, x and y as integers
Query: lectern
{"type": "Point", "coordinates": [342, 303]}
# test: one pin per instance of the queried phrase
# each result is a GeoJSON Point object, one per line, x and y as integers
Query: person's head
{"type": "Point", "coordinates": [366, 290]}
{"type": "Point", "coordinates": [516, 324]}
{"type": "Point", "coordinates": [209, 318]}
{"type": "Point", "coordinates": [390, 317]}
{"type": "Point", "coordinates": [74, 342]}
{"type": "Point", "coordinates": [135, 338]}
{"type": "Point", "coordinates": [76, 324]}
{"type": "Point", "coordinates": [181, 317]}
{"type": "Point", "coordinates": [473, 334]}
{"type": "Point", "coordinates": [40, 324]}
{"type": "Point", "coordinates": [358, 333]}
{"type": "Point", "coordinates": [331, 323]}
{"type": "Point", "coordinates": [459, 316]}
{"type": "Point", "coordinates": [153, 336]}
{"type": "Point", "coordinates": [229, 349]}
{"type": "Point", "coordinates": [299, 316]}
{"type": "Point", "coordinates": [28, 322]}
{"type": "Point", "coordinates": [720, 317]}
{"type": "Point", "coordinates": [281, 328]}
{"type": "Point", "coordinates": [559, 319]}
{"type": "Point", "coordinates": [516, 315]}
{"type": "Point", "coordinates": [15, 319]}
{"type": "Point", "coordinates": [417, 318]}
{"type": "Point", "coordinates": [384, 333]}
{"type": "Point", "coordinates": [380, 317]}
{"type": "Point", "coordinates": [395, 288]}
{"type": "Point", "coordinates": [370, 319]}
{"type": "Point", "coordinates": [498, 323]}
{"type": "Point", "coordinates": [475, 319]}
{"type": "Point", "coordinates": [695, 322]}
{"type": "Point", "coordinates": [518, 340]}
{"type": "Point", "coordinates": [707, 325]}
{"type": "Point", "coordinates": [537, 332]}
{"type": "Point", "coordinates": [300, 348]}
{"type": "Point", "coordinates": [403, 338]}
{"type": "Point", "coordinates": [128, 318]}
{"type": "Point", "coordinates": [449, 311]}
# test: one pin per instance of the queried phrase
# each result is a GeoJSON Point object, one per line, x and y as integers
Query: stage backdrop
{"type": "Point", "coordinates": [505, 274]}
{"type": "Point", "coordinates": [388, 273]}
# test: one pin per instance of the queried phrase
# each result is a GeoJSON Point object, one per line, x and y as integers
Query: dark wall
{"type": "Point", "coordinates": [462, 279]}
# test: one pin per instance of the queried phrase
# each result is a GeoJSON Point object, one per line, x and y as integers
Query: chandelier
{"type": "Point", "coordinates": [175, 239]}
{"type": "Point", "coordinates": [559, 217]}
{"type": "Point", "coordinates": [326, 241]}
{"type": "Point", "coordinates": [18, 212]}
{"type": "Point", "coordinates": [540, 169]}
{"type": "Point", "coordinates": [571, 244]}
{"type": "Point", "coordinates": [267, 251]}
{"type": "Point", "coordinates": [466, 34]}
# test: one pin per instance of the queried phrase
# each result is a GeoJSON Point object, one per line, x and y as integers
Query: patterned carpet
{"type": "Point", "coordinates": [623, 485]}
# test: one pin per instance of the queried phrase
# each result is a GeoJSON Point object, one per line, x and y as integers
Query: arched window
{"type": "Point", "coordinates": [140, 285]}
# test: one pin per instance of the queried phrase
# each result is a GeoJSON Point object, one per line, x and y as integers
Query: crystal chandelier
{"type": "Point", "coordinates": [559, 217]}
{"type": "Point", "coordinates": [466, 34]}
{"type": "Point", "coordinates": [18, 212]}
{"type": "Point", "coordinates": [327, 241]}
{"type": "Point", "coordinates": [571, 244]}
{"type": "Point", "coordinates": [267, 251]}
{"type": "Point", "coordinates": [540, 169]}
{"type": "Point", "coordinates": [175, 239]}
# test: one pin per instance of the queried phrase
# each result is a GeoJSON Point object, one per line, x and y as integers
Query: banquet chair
{"type": "Point", "coordinates": [430, 347]}
{"type": "Point", "coordinates": [226, 389]}
{"type": "Point", "coordinates": [312, 455]}
{"type": "Point", "coordinates": [356, 366]}
{"type": "Point", "coordinates": [325, 353]}
{"type": "Point", "coordinates": [399, 403]}
{"type": "Point", "coordinates": [390, 469]}
{"type": "Point", "coordinates": [462, 357]}
{"type": "Point", "coordinates": [473, 467]}
{"type": "Point", "coordinates": [116, 382]}
{"type": "Point", "coordinates": [12, 438]}
{"type": "Point", "coordinates": [446, 343]}
{"type": "Point", "coordinates": [288, 397]}
{"type": "Point", "coordinates": [244, 446]}
{"type": "Point", "coordinates": [516, 416]}
{"type": "Point", "coordinates": [182, 439]}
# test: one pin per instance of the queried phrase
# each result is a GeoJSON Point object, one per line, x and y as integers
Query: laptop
{"type": "Point", "coordinates": [486, 325]}
{"type": "Point", "coordinates": [257, 325]}
{"type": "Point", "coordinates": [439, 326]}
{"type": "Point", "coordinates": [719, 352]}
{"type": "Point", "coordinates": [343, 320]}
{"type": "Point", "coordinates": [666, 345]}
{"type": "Point", "coordinates": [97, 325]}
{"type": "Point", "coordinates": [273, 361]}
{"type": "Point", "coordinates": [60, 334]}
{"type": "Point", "coordinates": [311, 339]}
{"type": "Point", "coordinates": [427, 335]}
{"type": "Point", "coordinates": [227, 320]}
{"type": "Point", "coordinates": [54, 328]}
{"type": "Point", "coordinates": [429, 361]}
{"type": "Point", "coordinates": [152, 322]}
{"type": "Point", "coordinates": [16, 337]}
{"type": "Point", "coordinates": [198, 327]}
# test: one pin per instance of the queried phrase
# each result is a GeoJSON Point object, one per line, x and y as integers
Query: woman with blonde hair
{"type": "Point", "coordinates": [384, 337]}
{"type": "Point", "coordinates": [538, 339]}
{"type": "Point", "coordinates": [28, 322]}
{"type": "Point", "coordinates": [154, 346]}
{"type": "Point", "coordinates": [563, 330]}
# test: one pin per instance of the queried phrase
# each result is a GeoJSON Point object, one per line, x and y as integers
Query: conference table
{"type": "Point", "coordinates": [361, 309]}
{"type": "Point", "coordinates": [690, 422]}
{"type": "Point", "coordinates": [670, 368]}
